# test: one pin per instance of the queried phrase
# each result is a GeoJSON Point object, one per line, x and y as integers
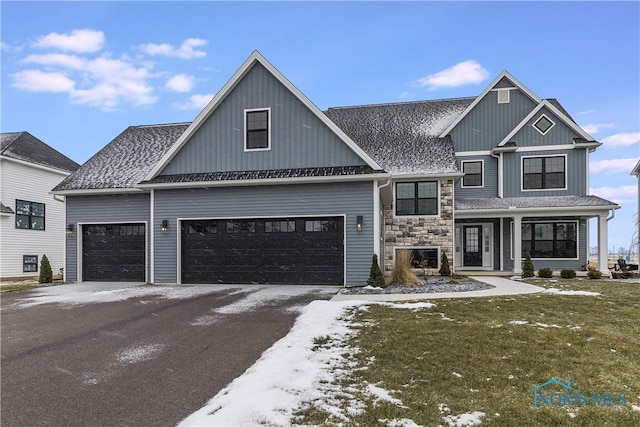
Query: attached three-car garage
{"type": "Point", "coordinates": [263, 250]}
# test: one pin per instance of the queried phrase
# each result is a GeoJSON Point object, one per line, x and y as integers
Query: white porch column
{"type": "Point", "coordinates": [602, 245]}
{"type": "Point", "coordinates": [517, 244]}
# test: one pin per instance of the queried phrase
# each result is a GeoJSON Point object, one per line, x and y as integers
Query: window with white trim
{"type": "Point", "coordinates": [425, 257]}
{"type": "Point", "coordinates": [30, 263]}
{"type": "Point", "coordinates": [257, 133]}
{"type": "Point", "coordinates": [550, 239]}
{"type": "Point", "coordinates": [543, 124]}
{"type": "Point", "coordinates": [417, 198]}
{"type": "Point", "coordinates": [473, 176]}
{"type": "Point", "coordinates": [544, 173]}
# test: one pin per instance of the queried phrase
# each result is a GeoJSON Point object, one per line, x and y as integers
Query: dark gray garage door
{"type": "Point", "coordinates": [113, 252]}
{"type": "Point", "coordinates": [276, 251]}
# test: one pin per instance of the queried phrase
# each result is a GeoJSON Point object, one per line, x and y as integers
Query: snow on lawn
{"type": "Point", "coordinates": [298, 370]}
{"type": "Point", "coordinates": [411, 305]}
{"type": "Point", "coordinates": [561, 292]}
{"type": "Point", "coordinates": [464, 420]}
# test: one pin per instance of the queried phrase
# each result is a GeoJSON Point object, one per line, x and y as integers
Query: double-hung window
{"type": "Point", "coordinates": [544, 173]}
{"type": "Point", "coordinates": [472, 173]}
{"type": "Point", "coordinates": [29, 215]}
{"type": "Point", "coordinates": [257, 132]}
{"type": "Point", "coordinates": [417, 198]}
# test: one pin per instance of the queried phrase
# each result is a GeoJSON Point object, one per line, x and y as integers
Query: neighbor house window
{"type": "Point", "coordinates": [29, 263]}
{"type": "Point", "coordinates": [472, 174]}
{"type": "Point", "coordinates": [257, 129]}
{"type": "Point", "coordinates": [29, 215]}
{"type": "Point", "coordinates": [543, 173]}
{"type": "Point", "coordinates": [423, 257]}
{"type": "Point", "coordinates": [280, 226]}
{"type": "Point", "coordinates": [550, 239]}
{"type": "Point", "coordinates": [417, 198]}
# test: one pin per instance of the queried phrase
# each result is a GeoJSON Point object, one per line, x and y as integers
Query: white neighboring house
{"type": "Point", "coordinates": [32, 221]}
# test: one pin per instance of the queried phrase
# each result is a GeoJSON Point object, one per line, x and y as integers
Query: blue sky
{"type": "Point", "coordinates": [76, 74]}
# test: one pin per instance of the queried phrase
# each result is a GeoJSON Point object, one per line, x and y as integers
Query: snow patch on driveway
{"type": "Point", "coordinates": [139, 353]}
{"type": "Point", "coordinates": [264, 296]}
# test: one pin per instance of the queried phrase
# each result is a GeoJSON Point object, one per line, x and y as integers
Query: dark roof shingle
{"type": "Point", "coordinates": [496, 203]}
{"type": "Point", "coordinates": [27, 148]}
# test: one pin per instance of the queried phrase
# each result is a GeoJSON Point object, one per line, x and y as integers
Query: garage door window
{"type": "Point", "coordinates": [280, 226]}
{"type": "Point", "coordinates": [241, 227]}
{"type": "Point", "coordinates": [205, 227]}
{"type": "Point", "coordinates": [321, 225]}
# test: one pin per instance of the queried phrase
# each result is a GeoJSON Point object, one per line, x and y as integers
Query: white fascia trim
{"type": "Point", "coordinates": [36, 166]}
{"type": "Point", "coordinates": [502, 75]}
{"type": "Point", "coordinates": [90, 192]}
{"type": "Point", "coordinates": [428, 177]}
{"type": "Point", "coordinates": [226, 90]}
{"type": "Point", "coordinates": [250, 110]}
{"type": "Point", "coordinates": [546, 104]}
{"type": "Point", "coordinates": [473, 153]}
{"type": "Point", "coordinates": [585, 211]}
{"type": "Point", "coordinates": [545, 148]}
{"type": "Point", "coordinates": [266, 181]}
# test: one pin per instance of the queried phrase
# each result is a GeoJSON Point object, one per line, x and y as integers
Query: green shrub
{"type": "Point", "coordinates": [568, 274]}
{"type": "Point", "coordinates": [46, 275]}
{"type": "Point", "coordinates": [594, 274]}
{"type": "Point", "coordinates": [401, 271]}
{"type": "Point", "coordinates": [445, 269]}
{"type": "Point", "coordinates": [376, 278]}
{"type": "Point", "coordinates": [527, 267]}
{"type": "Point", "coordinates": [545, 273]}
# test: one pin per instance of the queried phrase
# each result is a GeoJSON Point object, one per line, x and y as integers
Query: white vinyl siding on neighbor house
{"type": "Point", "coordinates": [32, 184]}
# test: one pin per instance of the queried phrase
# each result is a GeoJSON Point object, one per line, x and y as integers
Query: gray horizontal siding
{"type": "Point", "coordinates": [490, 171]}
{"type": "Point", "coordinates": [352, 199]}
{"type": "Point", "coordinates": [489, 122]}
{"type": "Point", "coordinates": [556, 265]}
{"type": "Point", "coordinates": [298, 138]}
{"type": "Point", "coordinates": [101, 209]}
{"type": "Point", "coordinates": [576, 173]}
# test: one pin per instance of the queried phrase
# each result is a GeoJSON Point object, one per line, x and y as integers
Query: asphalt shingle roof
{"type": "Point", "coordinates": [403, 138]}
{"type": "Point", "coordinates": [27, 148]}
{"type": "Point", "coordinates": [495, 203]}
{"type": "Point", "coordinates": [126, 160]}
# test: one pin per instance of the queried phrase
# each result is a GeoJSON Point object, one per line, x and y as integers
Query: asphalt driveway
{"type": "Point", "coordinates": [105, 354]}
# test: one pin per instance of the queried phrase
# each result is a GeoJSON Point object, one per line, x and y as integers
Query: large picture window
{"type": "Point", "coordinates": [550, 239]}
{"type": "Point", "coordinates": [472, 173]}
{"type": "Point", "coordinates": [29, 215]}
{"type": "Point", "coordinates": [257, 129]}
{"type": "Point", "coordinates": [417, 198]}
{"type": "Point", "coordinates": [543, 173]}
{"type": "Point", "coordinates": [423, 257]}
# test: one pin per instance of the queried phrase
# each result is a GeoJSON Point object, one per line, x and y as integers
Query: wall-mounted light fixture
{"type": "Point", "coordinates": [69, 229]}
{"type": "Point", "coordinates": [164, 227]}
{"type": "Point", "coordinates": [359, 223]}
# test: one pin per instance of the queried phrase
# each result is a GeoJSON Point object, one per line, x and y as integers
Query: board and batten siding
{"type": "Point", "coordinates": [554, 264]}
{"type": "Point", "coordinates": [116, 208]}
{"type": "Point", "coordinates": [490, 178]}
{"type": "Point", "coordinates": [489, 122]}
{"type": "Point", "coordinates": [32, 184]}
{"type": "Point", "coordinates": [558, 134]}
{"type": "Point", "coordinates": [298, 138]}
{"type": "Point", "coordinates": [575, 173]}
{"type": "Point", "coordinates": [284, 201]}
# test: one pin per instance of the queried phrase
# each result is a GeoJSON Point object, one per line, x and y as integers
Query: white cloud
{"type": "Point", "coordinates": [622, 139]}
{"type": "Point", "coordinates": [57, 59]}
{"type": "Point", "coordinates": [463, 73]}
{"type": "Point", "coordinates": [585, 112]}
{"type": "Point", "coordinates": [198, 101]}
{"type": "Point", "coordinates": [187, 50]}
{"type": "Point", "coordinates": [612, 166]}
{"type": "Point", "coordinates": [596, 127]}
{"type": "Point", "coordinates": [621, 194]}
{"type": "Point", "coordinates": [6, 47]}
{"type": "Point", "coordinates": [41, 81]}
{"type": "Point", "coordinates": [80, 41]}
{"type": "Point", "coordinates": [180, 83]}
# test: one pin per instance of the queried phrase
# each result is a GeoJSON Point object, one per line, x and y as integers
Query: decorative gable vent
{"type": "Point", "coordinates": [503, 96]}
{"type": "Point", "coordinates": [543, 124]}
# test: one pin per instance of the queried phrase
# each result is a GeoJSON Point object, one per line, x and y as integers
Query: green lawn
{"type": "Point", "coordinates": [468, 355]}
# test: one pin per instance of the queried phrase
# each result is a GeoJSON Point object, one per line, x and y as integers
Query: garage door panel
{"type": "Point", "coordinates": [113, 252]}
{"type": "Point", "coordinates": [279, 251]}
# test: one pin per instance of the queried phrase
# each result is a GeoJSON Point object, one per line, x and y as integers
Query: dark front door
{"type": "Point", "coordinates": [472, 248]}
{"type": "Point", "coordinates": [264, 250]}
{"type": "Point", "coordinates": [113, 252]}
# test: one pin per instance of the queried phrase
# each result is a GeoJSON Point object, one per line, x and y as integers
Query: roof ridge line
{"type": "Point", "coordinates": [402, 102]}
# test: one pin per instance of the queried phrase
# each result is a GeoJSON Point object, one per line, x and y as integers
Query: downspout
{"type": "Point", "coordinates": [377, 215]}
{"type": "Point", "coordinates": [500, 174]}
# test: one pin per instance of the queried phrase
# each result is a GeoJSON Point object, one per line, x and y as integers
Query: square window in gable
{"type": "Point", "coordinates": [543, 124]}
{"type": "Point", "coordinates": [257, 129]}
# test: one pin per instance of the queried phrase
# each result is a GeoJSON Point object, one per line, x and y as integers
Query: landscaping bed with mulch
{"type": "Point", "coordinates": [426, 284]}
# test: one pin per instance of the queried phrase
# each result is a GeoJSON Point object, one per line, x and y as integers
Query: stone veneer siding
{"type": "Point", "coordinates": [424, 232]}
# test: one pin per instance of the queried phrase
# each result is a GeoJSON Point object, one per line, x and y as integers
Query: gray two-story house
{"type": "Point", "coordinates": [263, 187]}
